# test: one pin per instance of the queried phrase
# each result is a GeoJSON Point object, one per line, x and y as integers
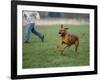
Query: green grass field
{"type": "Point", "coordinates": [39, 55]}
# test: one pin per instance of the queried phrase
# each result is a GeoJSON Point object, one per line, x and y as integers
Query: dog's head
{"type": "Point", "coordinates": [63, 30]}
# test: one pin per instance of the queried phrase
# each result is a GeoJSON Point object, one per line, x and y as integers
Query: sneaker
{"type": "Point", "coordinates": [26, 42]}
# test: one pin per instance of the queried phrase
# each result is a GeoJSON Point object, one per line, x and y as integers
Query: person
{"type": "Point", "coordinates": [30, 17]}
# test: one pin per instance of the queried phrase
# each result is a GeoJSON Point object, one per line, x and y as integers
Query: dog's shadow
{"type": "Point", "coordinates": [69, 53]}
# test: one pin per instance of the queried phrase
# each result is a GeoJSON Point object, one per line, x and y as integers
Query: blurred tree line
{"type": "Point", "coordinates": [50, 15]}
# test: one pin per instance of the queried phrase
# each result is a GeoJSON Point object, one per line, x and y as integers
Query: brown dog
{"type": "Point", "coordinates": [67, 39]}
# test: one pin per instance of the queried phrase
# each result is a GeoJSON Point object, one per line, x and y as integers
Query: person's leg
{"type": "Point", "coordinates": [27, 34]}
{"type": "Point", "coordinates": [39, 34]}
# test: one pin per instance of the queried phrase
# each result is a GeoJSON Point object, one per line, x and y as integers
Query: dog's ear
{"type": "Point", "coordinates": [61, 25]}
{"type": "Point", "coordinates": [66, 28]}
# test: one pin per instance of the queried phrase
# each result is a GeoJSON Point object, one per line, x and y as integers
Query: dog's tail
{"type": "Point", "coordinates": [76, 44]}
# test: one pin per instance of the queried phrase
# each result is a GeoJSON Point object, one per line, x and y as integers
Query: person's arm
{"type": "Point", "coordinates": [25, 17]}
{"type": "Point", "coordinates": [37, 15]}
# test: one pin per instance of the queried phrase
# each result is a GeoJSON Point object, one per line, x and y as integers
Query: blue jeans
{"type": "Point", "coordinates": [31, 28]}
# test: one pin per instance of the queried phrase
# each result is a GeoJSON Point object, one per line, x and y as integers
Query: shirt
{"type": "Point", "coordinates": [30, 16]}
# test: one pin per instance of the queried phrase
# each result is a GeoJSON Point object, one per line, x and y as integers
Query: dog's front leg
{"type": "Point", "coordinates": [59, 45]}
{"type": "Point", "coordinates": [64, 46]}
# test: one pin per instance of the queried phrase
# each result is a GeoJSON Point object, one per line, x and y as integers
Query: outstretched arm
{"type": "Point", "coordinates": [37, 15]}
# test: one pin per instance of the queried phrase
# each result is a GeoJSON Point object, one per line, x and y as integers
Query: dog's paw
{"type": "Point", "coordinates": [57, 46]}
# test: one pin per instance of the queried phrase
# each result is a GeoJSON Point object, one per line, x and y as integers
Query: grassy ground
{"type": "Point", "coordinates": [38, 55]}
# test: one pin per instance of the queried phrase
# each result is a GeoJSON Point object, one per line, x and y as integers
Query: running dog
{"type": "Point", "coordinates": [67, 39]}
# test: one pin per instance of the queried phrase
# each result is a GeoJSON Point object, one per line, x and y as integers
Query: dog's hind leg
{"type": "Point", "coordinates": [76, 49]}
{"type": "Point", "coordinates": [76, 45]}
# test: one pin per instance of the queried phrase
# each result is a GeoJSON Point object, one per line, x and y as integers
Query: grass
{"type": "Point", "coordinates": [39, 55]}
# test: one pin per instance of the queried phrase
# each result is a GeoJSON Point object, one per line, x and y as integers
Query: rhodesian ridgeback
{"type": "Point", "coordinates": [67, 39]}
